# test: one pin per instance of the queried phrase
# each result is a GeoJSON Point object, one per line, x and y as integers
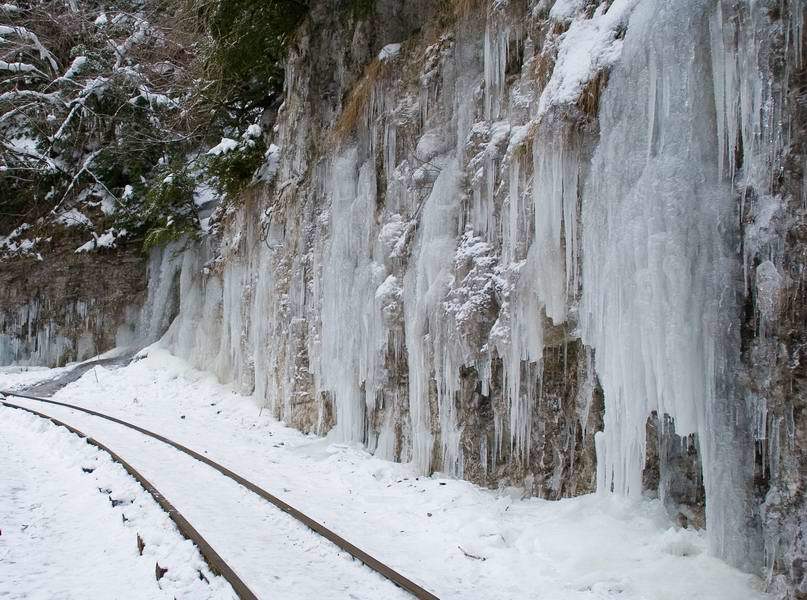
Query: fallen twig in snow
{"type": "Point", "coordinates": [474, 556]}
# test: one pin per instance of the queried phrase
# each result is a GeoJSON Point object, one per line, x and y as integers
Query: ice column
{"type": "Point", "coordinates": [659, 272]}
{"type": "Point", "coordinates": [351, 339]}
{"type": "Point", "coordinates": [425, 286]}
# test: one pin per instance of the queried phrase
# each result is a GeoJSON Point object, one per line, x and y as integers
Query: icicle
{"type": "Point", "coordinates": [349, 280]}
{"type": "Point", "coordinates": [497, 37]}
{"type": "Point", "coordinates": [483, 454]}
{"type": "Point", "coordinates": [425, 284]}
{"type": "Point", "coordinates": [554, 193]}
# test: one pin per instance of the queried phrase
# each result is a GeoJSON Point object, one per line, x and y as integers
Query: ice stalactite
{"type": "Point", "coordinates": [497, 39]}
{"type": "Point", "coordinates": [352, 332]}
{"type": "Point", "coordinates": [556, 168]}
{"type": "Point", "coordinates": [660, 273]}
{"type": "Point", "coordinates": [425, 285]}
{"type": "Point", "coordinates": [34, 344]}
{"type": "Point", "coordinates": [541, 247]}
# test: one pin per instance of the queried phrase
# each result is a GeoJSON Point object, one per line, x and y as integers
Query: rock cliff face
{"type": "Point", "coordinates": [559, 245]}
{"type": "Point", "coordinates": [66, 306]}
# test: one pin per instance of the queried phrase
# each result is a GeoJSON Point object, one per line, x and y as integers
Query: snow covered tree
{"type": "Point", "coordinates": [111, 107]}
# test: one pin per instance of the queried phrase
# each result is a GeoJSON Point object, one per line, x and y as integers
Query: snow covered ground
{"type": "Point", "coordinates": [455, 539]}
{"type": "Point", "coordinates": [21, 377]}
{"type": "Point", "coordinates": [62, 538]}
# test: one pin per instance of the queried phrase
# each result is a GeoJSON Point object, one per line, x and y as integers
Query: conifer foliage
{"type": "Point", "coordinates": [109, 111]}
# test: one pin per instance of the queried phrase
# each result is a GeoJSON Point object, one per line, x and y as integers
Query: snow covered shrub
{"type": "Point", "coordinates": [83, 112]}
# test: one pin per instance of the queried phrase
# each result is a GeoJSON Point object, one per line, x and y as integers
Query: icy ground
{"type": "Point", "coordinates": [456, 539]}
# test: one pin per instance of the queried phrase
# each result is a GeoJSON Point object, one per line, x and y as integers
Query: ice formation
{"type": "Point", "coordinates": [41, 342]}
{"type": "Point", "coordinates": [659, 272]}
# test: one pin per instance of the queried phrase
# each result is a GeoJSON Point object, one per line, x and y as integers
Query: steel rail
{"type": "Point", "coordinates": [373, 563]}
{"type": "Point", "coordinates": [216, 563]}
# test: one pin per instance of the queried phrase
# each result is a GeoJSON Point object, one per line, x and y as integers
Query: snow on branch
{"type": "Point", "coordinates": [23, 152]}
{"type": "Point", "coordinates": [76, 66]}
{"type": "Point", "coordinates": [14, 95]}
{"type": "Point", "coordinates": [29, 36]}
{"type": "Point", "coordinates": [19, 67]}
{"type": "Point", "coordinates": [84, 168]}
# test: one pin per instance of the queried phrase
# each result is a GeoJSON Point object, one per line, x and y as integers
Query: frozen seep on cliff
{"type": "Point", "coordinates": [70, 306]}
{"type": "Point", "coordinates": [555, 244]}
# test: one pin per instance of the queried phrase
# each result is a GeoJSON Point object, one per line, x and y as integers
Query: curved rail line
{"type": "Point", "coordinates": [354, 551]}
{"type": "Point", "coordinates": [212, 558]}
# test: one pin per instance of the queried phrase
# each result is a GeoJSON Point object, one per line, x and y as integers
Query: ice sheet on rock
{"type": "Point", "coordinates": [44, 342]}
{"type": "Point", "coordinates": [426, 283]}
{"type": "Point", "coordinates": [352, 331]}
{"type": "Point", "coordinates": [463, 198]}
{"type": "Point", "coordinates": [768, 286]}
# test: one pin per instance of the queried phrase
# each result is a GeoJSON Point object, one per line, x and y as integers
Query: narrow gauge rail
{"type": "Point", "coordinates": [215, 562]}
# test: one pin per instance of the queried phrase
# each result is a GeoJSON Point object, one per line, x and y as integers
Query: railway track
{"type": "Point", "coordinates": [214, 560]}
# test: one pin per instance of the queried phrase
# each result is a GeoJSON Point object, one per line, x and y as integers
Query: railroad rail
{"type": "Point", "coordinates": [215, 562]}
